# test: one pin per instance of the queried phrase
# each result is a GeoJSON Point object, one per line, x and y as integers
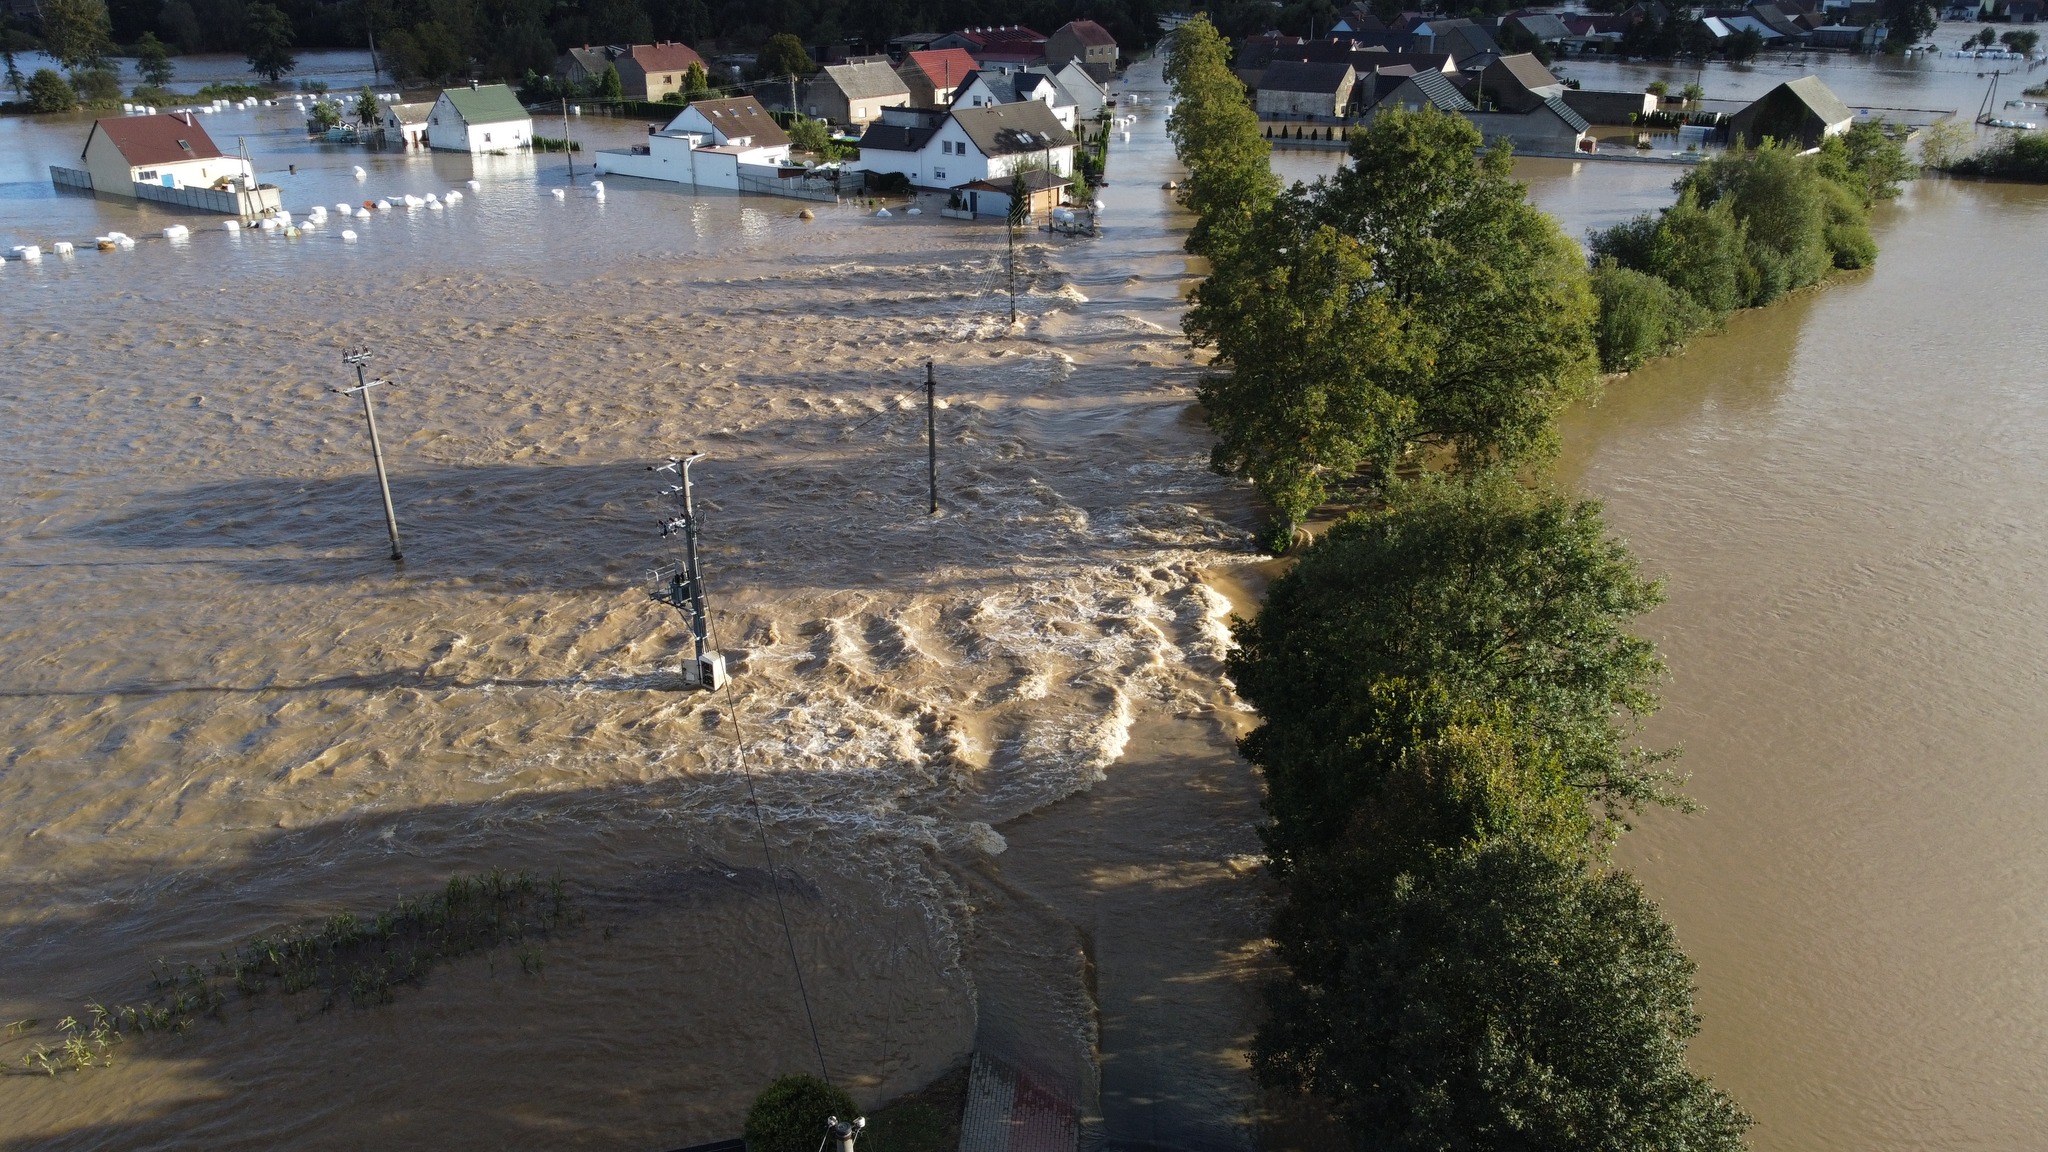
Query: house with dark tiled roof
{"type": "Point", "coordinates": [1007, 44]}
{"type": "Point", "coordinates": [1302, 89]}
{"type": "Point", "coordinates": [953, 149]}
{"type": "Point", "coordinates": [1550, 128]}
{"type": "Point", "coordinates": [1429, 89]}
{"type": "Point", "coordinates": [1803, 110]}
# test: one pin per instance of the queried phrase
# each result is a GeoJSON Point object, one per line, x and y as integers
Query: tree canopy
{"type": "Point", "coordinates": [268, 42]}
{"type": "Point", "coordinates": [1216, 135]}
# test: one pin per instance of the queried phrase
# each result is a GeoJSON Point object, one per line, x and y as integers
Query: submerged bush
{"type": "Point", "coordinates": [789, 1115]}
{"type": "Point", "coordinates": [2014, 156]}
{"type": "Point", "coordinates": [1641, 316]}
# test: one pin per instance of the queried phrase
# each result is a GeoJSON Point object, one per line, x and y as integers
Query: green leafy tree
{"type": "Point", "coordinates": [1743, 45]}
{"type": "Point", "coordinates": [267, 38]}
{"type": "Point", "coordinates": [1313, 346]}
{"type": "Point", "coordinates": [784, 55]}
{"type": "Point", "coordinates": [15, 79]}
{"type": "Point", "coordinates": [609, 86]}
{"type": "Point", "coordinates": [696, 84]}
{"type": "Point", "coordinates": [1692, 94]}
{"type": "Point", "coordinates": [1641, 316]}
{"type": "Point", "coordinates": [1216, 135]}
{"type": "Point", "coordinates": [1943, 143]}
{"type": "Point", "coordinates": [2013, 156]}
{"type": "Point", "coordinates": [323, 116]}
{"type": "Point", "coordinates": [1499, 997]}
{"type": "Point", "coordinates": [1496, 294]}
{"type": "Point", "coordinates": [79, 33]}
{"type": "Point", "coordinates": [1867, 161]}
{"type": "Point", "coordinates": [1481, 593]}
{"type": "Point", "coordinates": [48, 91]}
{"type": "Point", "coordinates": [152, 61]}
{"type": "Point", "coordinates": [1702, 252]}
{"type": "Point", "coordinates": [99, 86]}
{"type": "Point", "coordinates": [1907, 22]}
{"type": "Point", "coordinates": [2021, 41]}
{"type": "Point", "coordinates": [790, 1114]}
{"type": "Point", "coordinates": [1779, 199]}
{"type": "Point", "coordinates": [368, 110]}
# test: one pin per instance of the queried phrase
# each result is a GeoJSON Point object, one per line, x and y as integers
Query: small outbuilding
{"type": "Point", "coordinates": [479, 118]}
{"type": "Point", "coordinates": [651, 71]}
{"type": "Point", "coordinates": [1803, 110]}
{"type": "Point", "coordinates": [405, 124]}
{"type": "Point", "coordinates": [1085, 42]}
{"type": "Point", "coordinates": [1043, 193]}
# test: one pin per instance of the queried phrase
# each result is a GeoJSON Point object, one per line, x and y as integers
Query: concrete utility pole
{"type": "Point", "coordinates": [931, 431]}
{"type": "Point", "coordinates": [843, 1133]}
{"type": "Point", "coordinates": [359, 357]}
{"type": "Point", "coordinates": [685, 589]}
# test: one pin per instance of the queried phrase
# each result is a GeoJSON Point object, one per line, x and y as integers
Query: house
{"type": "Point", "coordinates": [486, 118]}
{"type": "Point", "coordinates": [169, 150]}
{"type": "Point", "coordinates": [933, 75]}
{"type": "Point", "coordinates": [1044, 191]}
{"type": "Point", "coordinates": [405, 124]}
{"type": "Point", "coordinates": [1424, 90]}
{"type": "Point", "coordinates": [1011, 44]}
{"type": "Point", "coordinates": [650, 71]}
{"type": "Point", "coordinates": [1543, 28]}
{"type": "Point", "coordinates": [1617, 108]}
{"type": "Point", "coordinates": [1085, 42]}
{"type": "Point", "coordinates": [1468, 42]}
{"type": "Point", "coordinates": [985, 89]}
{"type": "Point", "coordinates": [1076, 89]}
{"type": "Point", "coordinates": [1518, 83]}
{"type": "Point", "coordinates": [1551, 127]}
{"type": "Point", "coordinates": [952, 149]}
{"type": "Point", "coordinates": [1848, 37]}
{"type": "Point", "coordinates": [1299, 88]}
{"type": "Point", "coordinates": [854, 94]}
{"type": "Point", "coordinates": [1802, 110]}
{"type": "Point", "coordinates": [904, 45]}
{"type": "Point", "coordinates": [710, 144]}
{"type": "Point", "coordinates": [585, 65]}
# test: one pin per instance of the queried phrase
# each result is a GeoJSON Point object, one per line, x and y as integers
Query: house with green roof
{"type": "Point", "coordinates": [479, 118]}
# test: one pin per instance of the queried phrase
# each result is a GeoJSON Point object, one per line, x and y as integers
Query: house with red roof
{"type": "Point", "coordinates": [1013, 45]}
{"type": "Point", "coordinates": [935, 74]}
{"type": "Point", "coordinates": [169, 150]}
{"type": "Point", "coordinates": [650, 71]}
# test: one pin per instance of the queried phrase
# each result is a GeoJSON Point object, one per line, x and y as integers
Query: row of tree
{"type": "Point", "coordinates": [505, 39]}
{"type": "Point", "coordinates": [1750, 225]}
{"type": "Point", "coordinates": [1447, 684]}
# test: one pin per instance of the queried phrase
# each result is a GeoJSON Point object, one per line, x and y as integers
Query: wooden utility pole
{"type": "Point", "coordinates": [566, 150]}
{"type": "Point", "coordinates": [931, 431]}
{"type": "Point", "coordinates": [359, 357]}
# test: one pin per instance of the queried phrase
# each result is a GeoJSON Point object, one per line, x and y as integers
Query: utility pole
{"type": "Point", "coordinates": [359, 357]}
{"type": "Point", "coordinates": [931, 431]}
{"type": "Point", "coordinates": [792, 98]}
{"type": "Point", "coordinates": [566, 150]}
{"type": "Point", "coordinates": [685, 589]}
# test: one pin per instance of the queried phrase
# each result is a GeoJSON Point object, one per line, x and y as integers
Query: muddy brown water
{"type": "Point", "coordinates": [223, 711]}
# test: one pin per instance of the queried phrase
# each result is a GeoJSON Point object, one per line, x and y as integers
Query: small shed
{"type": "Point", "coordinates": [405, 124]}
{"type": "Point", "coordinates": [1803, 110]}
{"type": "Point", "coordinates": [1300, 88]}
{"type": "Point", "coordinates": [991, 198]}
{"type": "Point", "coordinates": [651, 71]}
{"type": "Point", "coordinates": [479, 118]}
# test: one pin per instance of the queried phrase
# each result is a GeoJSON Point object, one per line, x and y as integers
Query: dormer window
{"type": "Point", "coordinates": [183, 146]}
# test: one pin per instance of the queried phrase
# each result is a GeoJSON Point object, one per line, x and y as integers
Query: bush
{"type": "Point", "coordinates": [2015, 156]}
{"type": "Point", "coordinates": [97, 85]}
{"type": "Point", "coordinates": [789, 1115]}
{"type": "Point", "coordinates": [48, 91]}
{"type": "Point", "coordinates": [889, 183]}
{"type": "Point", "coordinates": [1641, 317]}
{"type": "Point", "coordinates": [234, 92]}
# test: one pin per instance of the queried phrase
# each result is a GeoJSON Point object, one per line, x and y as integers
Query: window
{"type": "Point", "coordinates": [487, 137]}
{"type": "Point", "coordinates": [938, 173]}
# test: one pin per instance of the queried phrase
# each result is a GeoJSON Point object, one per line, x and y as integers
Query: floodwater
{"type": "Point", "coordinates": [992, 746]}
{"type": "Point", "coordinates": [224, 710]}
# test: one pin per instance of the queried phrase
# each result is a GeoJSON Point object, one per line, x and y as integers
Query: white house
{"type": "Point", "coordinates": [487, 118]}
{"type": "Point", "coordinates": [711, 144]}
{"type": "Point", "coordinates": [988, 88]}
{"type": "Point", "coordinates": [1077, 89]}
{"type": "Point", "coordinates": [406, 124]}
{"type": "Point", "coordinates": [952, 149]}
{"type": "Point", "coordinates": [170, 150]}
